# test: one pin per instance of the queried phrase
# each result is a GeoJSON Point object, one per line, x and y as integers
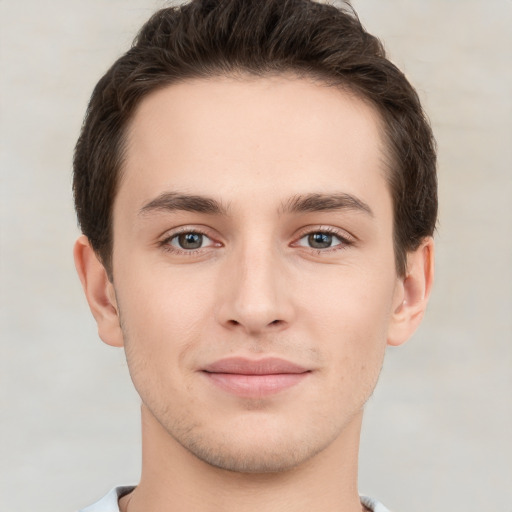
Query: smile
{"type": "Point", "coordinates": [254, 378]}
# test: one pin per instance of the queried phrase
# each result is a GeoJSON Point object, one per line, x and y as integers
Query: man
{"type": "Point", "coordinates": [256, 187]}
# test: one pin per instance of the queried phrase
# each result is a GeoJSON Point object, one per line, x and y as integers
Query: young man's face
{"type": "Point", "coordinates": [253, 265]}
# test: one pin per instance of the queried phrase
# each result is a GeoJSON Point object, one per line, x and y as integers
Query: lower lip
{"type": "Point", "coordinates": [255, 386]}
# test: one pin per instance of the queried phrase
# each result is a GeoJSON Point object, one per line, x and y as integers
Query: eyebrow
{"type": "Point", "coordinates": [172, 201]}
{"type": "Point", "coordinates": [310, 203]}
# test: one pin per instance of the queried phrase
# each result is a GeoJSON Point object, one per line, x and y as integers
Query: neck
{"type": "Point", "coordinates": [173, 479]}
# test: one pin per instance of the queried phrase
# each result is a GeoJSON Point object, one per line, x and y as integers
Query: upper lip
{"type": "Point", "coordinates": [244, 366]}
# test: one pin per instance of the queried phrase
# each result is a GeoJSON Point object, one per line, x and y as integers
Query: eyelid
{"type": "Point", "coordinates": [346, 240]}
{"type": "Point", "coordinates": [342, 234]}
{"type": "Point", "coordinates": [165, 239]}
{"type": "Point", "coordinates": [175, 238]}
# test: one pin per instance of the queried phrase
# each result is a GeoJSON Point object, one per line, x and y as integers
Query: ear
{"type": "Point", "coordinates": [99, 292]}
{"type": "Point", "coordinates": [412, 293]}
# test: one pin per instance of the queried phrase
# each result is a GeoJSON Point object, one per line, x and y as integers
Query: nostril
{"type": "Point", "coordinates": [234, 323]}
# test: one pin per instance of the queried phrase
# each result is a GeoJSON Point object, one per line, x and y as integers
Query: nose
{"type": "Point", "coordinates": [255, 292]}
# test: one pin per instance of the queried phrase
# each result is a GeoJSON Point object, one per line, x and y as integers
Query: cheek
{"type": "Point", "coordinates": [355, 348]}
{"type": "Point", "coordinates": [163, 315]}
{"type": "Point", "coordinates": [350, 317]}
{"type": "Point", "coordinates": [160, 329]}
{"type": "Point", "coordinates": [163, 298]}
{"type": "Point", "coordinates": [350, 303]}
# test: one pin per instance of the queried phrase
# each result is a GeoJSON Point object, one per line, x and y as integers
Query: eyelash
{"type": "Point", "coordinates": [345, 241]}
{"type": "Point", "coordinates": [165, 244]}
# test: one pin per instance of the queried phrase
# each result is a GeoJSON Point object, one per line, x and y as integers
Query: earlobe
{"type": "Point", "coordinates": [413, 293]}
{"type": "Point", "coordinates": [99, 292]}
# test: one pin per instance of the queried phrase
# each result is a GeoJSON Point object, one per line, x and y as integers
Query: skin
{"type": "Point", "coordinates": [258, 284]}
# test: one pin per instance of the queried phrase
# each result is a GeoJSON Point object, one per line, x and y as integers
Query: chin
{"type": "Point", "coordinates": [268, 447]}
{"type": "Point", "coordinates": [247, 458]}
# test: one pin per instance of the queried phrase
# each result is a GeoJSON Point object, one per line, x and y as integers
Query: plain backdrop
{"type": "Point", "coordinates": [437, 434]}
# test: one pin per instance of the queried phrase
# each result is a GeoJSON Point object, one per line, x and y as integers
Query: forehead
{"type": "Point", "coordinates": [252, 138]}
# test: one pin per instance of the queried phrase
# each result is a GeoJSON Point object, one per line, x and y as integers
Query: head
{"type": "Point", "coordinates": [207, 39]}
{"type": "Point", "coordinates": [256, 183]}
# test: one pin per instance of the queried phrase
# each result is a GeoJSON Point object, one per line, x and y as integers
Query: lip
{"type": "Point", "coordinates": [254, 378]}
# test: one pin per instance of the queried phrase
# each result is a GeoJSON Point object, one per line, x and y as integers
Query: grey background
{"type": "Point", "coordinates": [437, 435]}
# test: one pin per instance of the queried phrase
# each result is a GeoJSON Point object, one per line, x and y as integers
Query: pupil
{"type": "Point", "coordinates": [190, 240]}
{"type": "Point", "coordinates": [320, 240]}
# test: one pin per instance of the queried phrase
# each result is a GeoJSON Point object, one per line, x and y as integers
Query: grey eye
{"type": "Point", "coordinates": [320, 240]}
{"type": "Point", "coordinates": [190, 241]}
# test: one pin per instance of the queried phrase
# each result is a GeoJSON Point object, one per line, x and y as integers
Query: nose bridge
{"type": "Point", "coordinates": [256, 297]}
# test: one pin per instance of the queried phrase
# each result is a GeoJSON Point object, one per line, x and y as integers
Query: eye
{"type": "Point", "coordinates": [190, 241]}
{"type": "Point", "coordinates": [320, 240]}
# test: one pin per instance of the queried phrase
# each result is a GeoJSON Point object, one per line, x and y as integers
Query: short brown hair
{"type": "Point", "coordinates": [207, 38]}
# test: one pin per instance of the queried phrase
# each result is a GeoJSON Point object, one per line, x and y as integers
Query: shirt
{"type": "Point", "coordinates": [109, 503]}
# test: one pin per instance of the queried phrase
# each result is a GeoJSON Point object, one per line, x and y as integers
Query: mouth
{"type": "Point", "coordinates": [254, 378]}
